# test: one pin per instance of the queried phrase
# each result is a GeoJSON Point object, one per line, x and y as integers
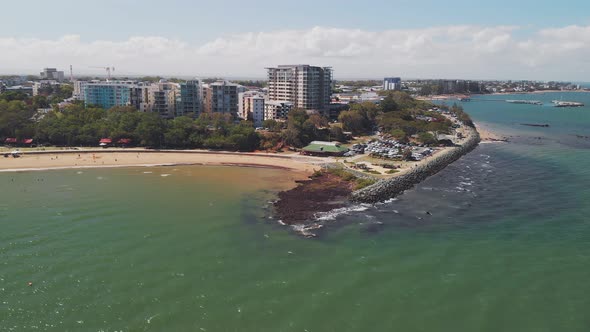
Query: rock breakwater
{"type": "Point", "coordinates": [389, 188]}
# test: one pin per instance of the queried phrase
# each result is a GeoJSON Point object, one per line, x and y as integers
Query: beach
{"type": "Point", "coordinates": [64, 159]}
{"type": "Point", "coordinates": [488, 135]}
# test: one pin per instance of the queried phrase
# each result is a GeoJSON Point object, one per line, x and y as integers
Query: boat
{"type": "Point", "coordinates": [559, 103]}
{"type": "Point", "coordinates": [527, 102]}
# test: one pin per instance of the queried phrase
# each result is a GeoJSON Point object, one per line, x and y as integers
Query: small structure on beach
{"type": "Point", "coordinates": [14, 141]}
{"type": "Point", "coordinates": [11, 140]}
{"type": "Point", "coordinates": [104, 142]}
{"type": "Point", "coordinates": [123, 142]}
{"type": "Point", "coordinates": [323, 149]}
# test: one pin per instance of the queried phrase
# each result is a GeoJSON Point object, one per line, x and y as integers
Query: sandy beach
{"type": "Point", "coordinates": [60, 159]}
{"type": "Point", "coordinates": [488, 135]}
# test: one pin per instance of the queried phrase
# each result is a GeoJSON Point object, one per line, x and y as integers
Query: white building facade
{"type": "Point", "coordinates": [307, 87]}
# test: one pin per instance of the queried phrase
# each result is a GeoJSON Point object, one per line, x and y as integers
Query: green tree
{"type": "Point", "coordinates": [337, 134]}
{"type": "Point", "coordinates": [427, 138]}
{"type": "Point", "coordinates": [388, 104]}
{"type": "Point", "coordinates": [150, 130]}
{"type": "Point", "coordinates": [353, 121]}
{"type": "Point", "coordinates": [399, 134]}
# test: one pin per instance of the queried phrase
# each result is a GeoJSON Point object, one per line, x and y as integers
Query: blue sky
{"type": "Point", "coordinates": [194, 25]}
{"type": "Point", "coordinates": [201, 20]}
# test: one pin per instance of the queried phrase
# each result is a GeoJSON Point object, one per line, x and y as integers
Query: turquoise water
{"type": "Point", "coordinates": [504, 248]}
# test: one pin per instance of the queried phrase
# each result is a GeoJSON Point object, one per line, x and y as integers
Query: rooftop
{"type": "Point", "coordinates": [326, 147]}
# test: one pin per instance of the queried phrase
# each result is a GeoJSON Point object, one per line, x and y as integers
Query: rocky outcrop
{"type": "Point", "coordinates": [389, 188]}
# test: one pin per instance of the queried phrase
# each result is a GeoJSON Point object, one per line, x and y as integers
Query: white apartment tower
{"type": "Point", "coordinates": [307, 87]}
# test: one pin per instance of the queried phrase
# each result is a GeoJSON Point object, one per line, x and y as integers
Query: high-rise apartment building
{"type": "Point", "coordinates": [305, 86]}
{"type": "Point", "coordinates": [392, 83]}
{"type": "Point", "coordinates": [52, 74]}
{"type": "Point", "coordinates": [221, 97]}
{"type": "Point", "coordinates": [189, 103]}
{"type": "Point", "coordinates": [160, 98]}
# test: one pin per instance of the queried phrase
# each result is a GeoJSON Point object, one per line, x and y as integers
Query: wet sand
{"type": "Point", "coordinates": [488, 135]}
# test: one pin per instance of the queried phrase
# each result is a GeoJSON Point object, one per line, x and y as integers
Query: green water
{"type": "Point", "coordinates": [507, 247]}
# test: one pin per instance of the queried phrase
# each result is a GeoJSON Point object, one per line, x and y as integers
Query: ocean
{"type": "Point", "coordinates": [498, 241]}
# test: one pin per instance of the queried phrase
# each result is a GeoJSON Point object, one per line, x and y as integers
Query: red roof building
{"type": "Point", "coordinates": [27, 141]}
{"type": "Point", "coordinates": [106, 141]}
{"type": "Point", "coordinates": [10, 140]}
{"type": "Point", "coordinates": [124, 141]}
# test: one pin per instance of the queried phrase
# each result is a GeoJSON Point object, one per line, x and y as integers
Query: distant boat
{"type": "Point", "coordinates": [464, 99]}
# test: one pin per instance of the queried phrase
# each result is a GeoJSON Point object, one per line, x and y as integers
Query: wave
{"type": "Point", "coordinates": [332, 215]}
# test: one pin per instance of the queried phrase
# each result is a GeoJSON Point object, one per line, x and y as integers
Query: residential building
{"type": "Point", "coordinates": [189, 103]}
{"type": "Point", "coordinates": [159, 98]}
{"type": "Point", "coordinates": [392, 83]}
{"type": "Point", "coordinates": [277, 110]}
{"type": "Point", "coordinates": [107, 94]}
{"type": "Point", "coordinates": [221, 97]}
{"type": "Point", "coordinates": [307, 87]}
{"type": "Point", "coordinates": [79, 90]}
{"type": "Point", "coordinates": [52, 74]}
{"type": "Point", "coordinates": [20, 88]}
{"type": "Point", "coordinates": [251, 106]}
{"type": "Point", "coordinates": [254, 109]}
{"type": "Point", "coordinates": [40, 86]}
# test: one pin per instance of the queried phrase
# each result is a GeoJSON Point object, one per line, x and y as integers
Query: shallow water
{"type": "Point", "coordinates": [498, 241]}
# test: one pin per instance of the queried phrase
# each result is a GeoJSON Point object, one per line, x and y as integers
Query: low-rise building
{"type": "Point", "coordinates": [44, 85]}
{"type": "Point", "coordinates": [321, 148]}
{"type": "Point", "coordinates": [277, 110]}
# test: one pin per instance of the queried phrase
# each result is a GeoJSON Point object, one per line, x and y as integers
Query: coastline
{"type": "Point", "coordinates": [112, 158]}
{"type": "Point", "coordinates": [456, 96]}
{"type": "Point", "coordinates": [390, 188]}
{"type": "Point", "coordinates": [488, 135]}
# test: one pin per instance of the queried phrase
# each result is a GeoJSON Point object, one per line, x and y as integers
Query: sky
{"type": "Point", "coordinates": [518, 39]}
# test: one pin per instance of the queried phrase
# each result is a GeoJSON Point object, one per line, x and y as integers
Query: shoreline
{"type": "Point", "coordinates": [116, 158]}
{"type": "Point", "coordinates": [456, 96]}
{"type": "Point", "coordinates": [488, 135]}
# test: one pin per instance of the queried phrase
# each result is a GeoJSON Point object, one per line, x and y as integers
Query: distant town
{"type": "Point", "coordinates": [287, 87]}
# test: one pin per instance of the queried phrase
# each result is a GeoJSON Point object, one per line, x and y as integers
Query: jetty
{"type": "Point", "coordinates": [559, 103]}
{"type": "Point", "coordinates": [535, 125]}
{"type": "Point", "coordinates": [526, 102]}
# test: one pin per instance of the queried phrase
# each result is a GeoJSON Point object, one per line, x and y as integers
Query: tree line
{"type": "Point", "coordinates": [77, 125]}
{"type": "Point", "coordinates": [398, 115]}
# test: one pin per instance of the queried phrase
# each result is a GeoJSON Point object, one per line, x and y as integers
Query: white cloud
{"type": "Point", "coordinates": [452, 51]}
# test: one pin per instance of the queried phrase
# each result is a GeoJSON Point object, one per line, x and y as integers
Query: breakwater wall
{"type": "Point", "coordinates": [389, 188]}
